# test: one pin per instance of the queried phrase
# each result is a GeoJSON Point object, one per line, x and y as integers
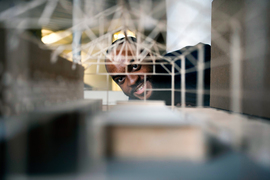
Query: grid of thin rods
{"type": "Point", "coordinates": [86, 19]}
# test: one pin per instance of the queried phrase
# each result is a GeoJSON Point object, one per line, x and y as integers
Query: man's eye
{"type": "Point", "coordinates": [135, 67]}
{"type": "Point", "coordinates": [120, 80]}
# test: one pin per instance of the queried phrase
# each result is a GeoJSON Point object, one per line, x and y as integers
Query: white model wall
{"type": "Point", "coordinates": [188, 23]}
{"type": "Point", "coordinates": [113, 96]}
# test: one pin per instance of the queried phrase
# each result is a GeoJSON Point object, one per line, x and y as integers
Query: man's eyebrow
{"type": "Point", "coordinates": [116, 76]}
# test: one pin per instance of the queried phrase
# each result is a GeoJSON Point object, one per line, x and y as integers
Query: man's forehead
{"type": "Point", "coordinates": [122, 55]}
{"type": "Point", "coordinates": [126, 52]}
{"type": "Point", "coordinates": [124, 48]}
{"type": "Point", "coordinates": [116, 68]}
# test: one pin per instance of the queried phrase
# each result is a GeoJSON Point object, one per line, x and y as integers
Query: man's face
{"type": "Point", "coordinates": [133, 82]}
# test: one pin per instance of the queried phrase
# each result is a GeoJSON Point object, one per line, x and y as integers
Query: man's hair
{"type": "Point", "coordinates": [121, 41]}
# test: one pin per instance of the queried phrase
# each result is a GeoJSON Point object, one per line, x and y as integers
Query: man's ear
{"type": "Point", "coordinates": [106, 65]}
{"type": "Point", "coordinates": [108, 57]}
{"type": "Point", "coordinates": [149, 57]}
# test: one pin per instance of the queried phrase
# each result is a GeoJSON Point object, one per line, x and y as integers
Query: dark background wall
{"type": "Point", "coordinates": [251, 21]}
{"type": "Point", "coordinates": [30, 80]}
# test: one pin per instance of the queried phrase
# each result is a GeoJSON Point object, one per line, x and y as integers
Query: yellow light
{"type": "Point", "coordinates": [45, 32]}
{"type": "Point", "coordinates": [115, 87]}
{"type": "Point", "coordinates": [53, 37]}
{"type": "Point", "coordinates": [121, 34]}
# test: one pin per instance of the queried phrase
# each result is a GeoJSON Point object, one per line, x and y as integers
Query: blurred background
{"type": "Point", "coordinates": [63, 117]}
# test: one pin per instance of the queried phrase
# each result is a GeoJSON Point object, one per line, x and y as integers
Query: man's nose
{"type": "Point", "coordinates": [132, 79]}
